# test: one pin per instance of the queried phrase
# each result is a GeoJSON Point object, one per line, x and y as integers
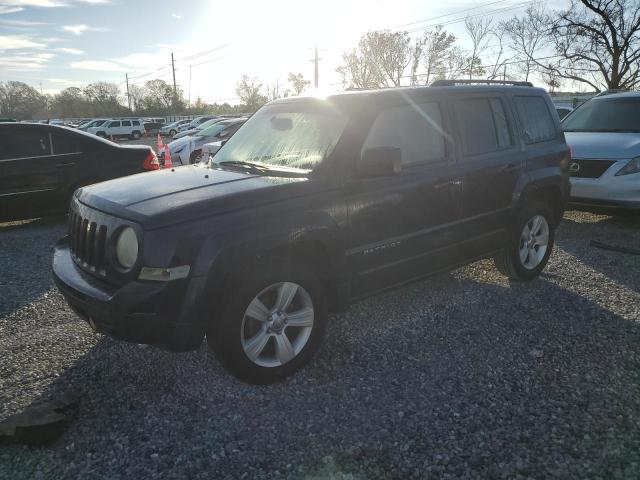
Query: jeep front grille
{"type": "Point", "coordinates": [88, 241]}
{"type": "Point", "coordinates": [589, 168]}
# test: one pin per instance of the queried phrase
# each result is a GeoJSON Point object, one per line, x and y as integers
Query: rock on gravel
{"type": "Point", "coordinates": [463, 375]}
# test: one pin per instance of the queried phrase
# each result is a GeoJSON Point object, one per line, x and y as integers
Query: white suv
{"type": "Point", "coordinates": [132, 128]}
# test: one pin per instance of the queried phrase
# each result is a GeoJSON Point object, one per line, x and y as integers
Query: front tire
{"type": "Point", "coordinates": [529, 243]}
{"type": "Point", "coordinates": [136, 135]}
{"type": "Point", "coordinates": [272, 323]}
{"type": "Point", "coordinates": [172, 132]}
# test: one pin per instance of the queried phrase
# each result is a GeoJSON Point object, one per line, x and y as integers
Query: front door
{"type": "Point", "coordinates": [398, 223]}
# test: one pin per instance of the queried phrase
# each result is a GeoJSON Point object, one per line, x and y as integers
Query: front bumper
{"type": "Point", "coordinates": [164, 314]}
{"type": "Point", "coordinates": [608, 190]}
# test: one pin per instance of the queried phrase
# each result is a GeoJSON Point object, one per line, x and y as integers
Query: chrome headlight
{"type": "Point", "coordinates": [127, 248]}
{"type": "Point", "coordinates": [633, 166]}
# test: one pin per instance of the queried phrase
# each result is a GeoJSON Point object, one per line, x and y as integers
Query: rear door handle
{"type": "Point", "coordinates": [65, 165]}
{"type": "Point", "coordinates": [510, 167]}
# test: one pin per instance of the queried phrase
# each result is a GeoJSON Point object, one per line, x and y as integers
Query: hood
{"type": "Point", "coordinates": [603, 145]}
{"type": "Point", "coordinates": [170, 196]}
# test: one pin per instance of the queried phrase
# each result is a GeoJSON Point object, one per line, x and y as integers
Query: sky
{"type": "Point", "coordinates": [54, 44]}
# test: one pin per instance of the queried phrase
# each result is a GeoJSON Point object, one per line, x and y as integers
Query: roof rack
{"type": "Point", "coordinates": [453, 83]}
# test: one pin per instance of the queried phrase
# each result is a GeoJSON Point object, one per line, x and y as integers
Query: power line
{"type": "Point", "coordinates": [448, 14]}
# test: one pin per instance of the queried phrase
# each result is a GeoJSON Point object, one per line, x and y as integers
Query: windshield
{"type": "Point", "coordinates": [292, 135]}
{"type": "Point", "coordinates": [605, 115]}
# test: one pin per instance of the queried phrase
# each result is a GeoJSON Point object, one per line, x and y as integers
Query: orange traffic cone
{"type": "Point", "coordinates": [159, 143]}
{"type": "Point", "coordinates": [167, 157]}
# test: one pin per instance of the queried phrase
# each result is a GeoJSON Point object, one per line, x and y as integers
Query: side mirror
{"type": "Point", "coordinates": [379, 162]}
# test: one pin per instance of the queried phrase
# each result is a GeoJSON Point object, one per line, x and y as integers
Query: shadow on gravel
{"type": "Point", "coordinates": [621, 230]}
{"type": "Point", "coordinates": [25, 260]}
{"type": "Point", "coordinates": [446, 376]}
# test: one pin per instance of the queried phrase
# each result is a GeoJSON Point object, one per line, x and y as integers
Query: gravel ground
{"type": "Point", "coordinates": [459, 376]}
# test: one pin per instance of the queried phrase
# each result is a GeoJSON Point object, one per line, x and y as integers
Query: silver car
{"type": "Point", "coordinates": [604, 136]}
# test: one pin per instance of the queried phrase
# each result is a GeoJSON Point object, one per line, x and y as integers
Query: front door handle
{"type": "Point", "coordinates": [65, 165]}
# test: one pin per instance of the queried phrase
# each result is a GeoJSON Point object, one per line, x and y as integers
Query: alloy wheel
{"type": "Point", "coordinates": [277, 324]}
{"type": "Point", "coordinates": [534, 241]}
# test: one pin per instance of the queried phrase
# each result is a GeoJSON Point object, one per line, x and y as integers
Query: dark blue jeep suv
{"type": "Point", "coordinates": [312, 204]}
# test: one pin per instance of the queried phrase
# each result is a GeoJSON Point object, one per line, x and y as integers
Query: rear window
{"type": "Point", "coordinates": [484, 126]}
{"type": "Point", "coordinates": [535, 118]}
{"type": "Point", "coordinates": [65, 143]}
{"type": "Point", "coordinates": [606, 114]}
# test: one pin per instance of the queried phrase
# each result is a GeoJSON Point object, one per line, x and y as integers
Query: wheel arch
{"type": "Point", "coordinates": [549, 193]}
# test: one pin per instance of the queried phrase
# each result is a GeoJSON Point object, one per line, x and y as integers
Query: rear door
{"type": "Point", "coordinates": [488, 168]}
{"type": "Point", "coordinates": [126, 127]}
{"type": "Point", "coordinates": [29, 179]}
{"type": "Point", "coordinates": [399, 225]}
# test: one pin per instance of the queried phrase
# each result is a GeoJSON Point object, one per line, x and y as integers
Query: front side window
{"type": "Point", "coordinates": [291, 135]}
{"type": "Point", "coordinates": [416, 129]}
{"type": "Point", "coordinates": [605, 114]}
{"type": "Point", "coordinates": [23, 143]}
{"type": "Point", "coordinates": [535, 118]}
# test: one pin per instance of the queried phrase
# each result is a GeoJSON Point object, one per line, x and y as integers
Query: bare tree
{"type": "Point", "coordinates": [598, 44]}
{"type": "Point", "coordinates": [455, 64]}
{"type": "Point", "coordinates": [479, 30]}
{"type": "Point", "coordinates": [527, 36]}
{"type": "Point", "coordinates": [499, 66]}
{"type": "Point", "coordinates": [380, 59]}
{"type": "Point", "coordinates": [437, 45]}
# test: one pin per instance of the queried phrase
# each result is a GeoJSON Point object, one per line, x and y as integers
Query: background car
{"type": "Point", "coordinates": [186, 150]}
{"type": "Point", "coordinates": [604, 136]}
{"type": "Point", "coordinates": [195, 122]}
{"type": "Point", "coordinates": [93, 123]}
{"type": "Point", "coordinates": [119, 128]}
{"type": "Point", "coordinates": [42, 165]}
{"type": "Point", "coordinates": [153, 125]}
{"type": "Point", "coordinates": [563, 111]}
{"type": "Point", "coordinates": [172, 128]}
{"type": "Point", "coordinates": [194, 131]}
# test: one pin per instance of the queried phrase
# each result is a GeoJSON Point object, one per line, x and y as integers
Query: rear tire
{"type": "Point", "coordinates": [529, 244]}
{"type": "Point", "coordinates": [268, 349]}
{"type": "Point", "coordinates": [172, 132]}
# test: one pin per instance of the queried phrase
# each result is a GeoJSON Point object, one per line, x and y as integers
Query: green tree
{"type": "Point", "coordinates": [249, 91]}
{"type": "Point", "coordinates": [298, 83]}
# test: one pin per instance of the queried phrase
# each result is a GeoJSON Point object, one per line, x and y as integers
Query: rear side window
{"type": "Point", "coordinates": [65, 143]}
{"type": "Point", "coordinates": [415, 129]}
{"type": "Point", "coordinates": [23, 143]}
{"type": "Point", "coordinates": [483, 124]}
{"type": "Point", "coordinates": [535, 118]}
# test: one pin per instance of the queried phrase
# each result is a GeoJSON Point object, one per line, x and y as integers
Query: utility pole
{"type": "Point", "coordinates": [189, 86]}
{"type": "Point", "coordinates": [175, 90]}
{"type": "Point", "coordinates": [315, 61]}
{"type": "Point", "coordinates": [504, 74]}
{"type": "Point", "coordinates": [126, 77]}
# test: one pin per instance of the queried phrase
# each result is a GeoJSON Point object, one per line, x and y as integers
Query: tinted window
{"type": "Point", "coordinates": [535, 118]}
{"type": "Point", "coordinates": [114, 124]}
{"type": "Point", "coordinates": [476, 120]}
{"type": "Point", "coordinates": [65, 143]}
{"type": "Point", "coordinates": [23, 142]}
{"type": "Point", "coordinates": [500, 119]}
{"type": "Point", "coordinates": [136, 123]}
{"type": "Point", "coordinates": [415, 129]}
{"type": "Point", "coordinates": [126, 123]}
{"type": "Point", "coordinates": [606, 114]}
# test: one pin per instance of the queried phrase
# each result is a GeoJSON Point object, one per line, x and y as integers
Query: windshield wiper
{"type": "Point", "coordinates": [261, 169]}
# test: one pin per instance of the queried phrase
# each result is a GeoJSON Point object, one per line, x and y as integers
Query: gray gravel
{"type": "Point", "coordinates": [459, 376]}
